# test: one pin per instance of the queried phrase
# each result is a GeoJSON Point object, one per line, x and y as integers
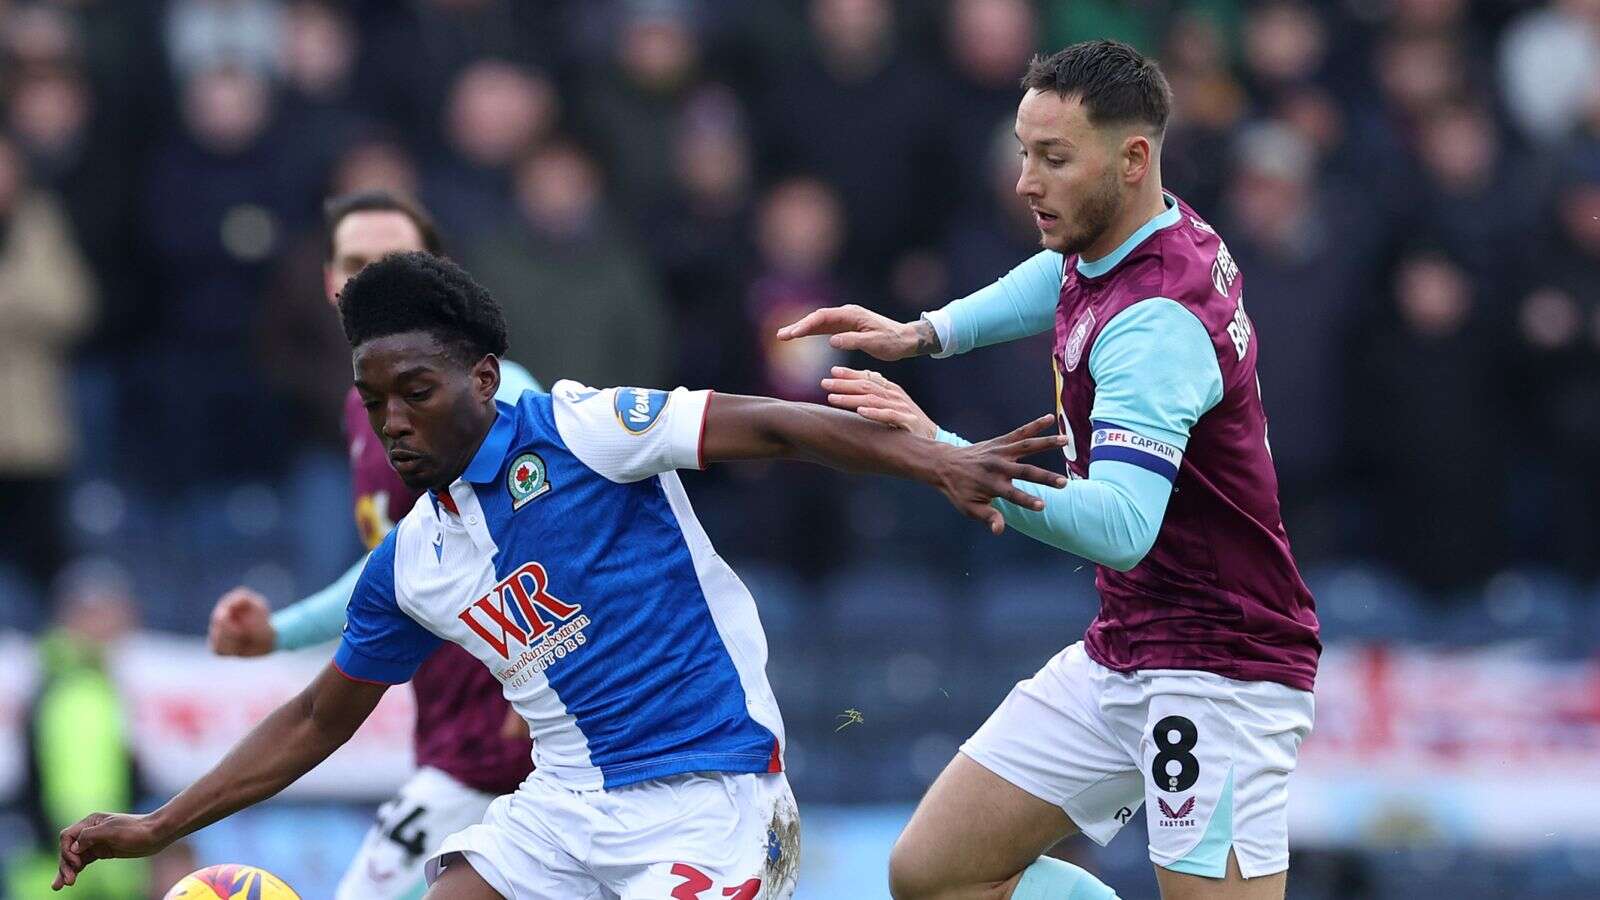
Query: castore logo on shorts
{"type": "Point", "coordinates": [1176, 818]}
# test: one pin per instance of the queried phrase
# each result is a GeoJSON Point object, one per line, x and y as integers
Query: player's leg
{"type": "Point", "coordinates": [972, 836]}
{"type": "Point", "coordinates": [525, 846]}
{"type": "Point", "coordinates": [1044, 766]}
{"type": "Point", "coordinates": [700, 837]}
{"type": "Point", "coordinates": [1179, 886]}
{"type": "Point", "coordinates": [1216, 756]}
{"type": "Point", "coordinates": [459, 881]}
{"type": "Point", "coordinates": [430, 807]}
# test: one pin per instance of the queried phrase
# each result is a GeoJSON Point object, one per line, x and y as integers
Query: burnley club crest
{"type": "Point", "coordinates": [1075, 341]}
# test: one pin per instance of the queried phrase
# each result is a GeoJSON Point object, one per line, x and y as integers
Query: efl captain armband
{"type": "Point", "coordinates": [1113, 442]}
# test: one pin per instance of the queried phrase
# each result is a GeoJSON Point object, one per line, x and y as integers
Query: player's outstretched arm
{"type": "Point", "coordinates": [1110, 518]}
{"type": "Point", "coordinates": [740, 427]}
{"type": "Point", "coordinates": [242, 624]}
{"type": "Point", "coordinates": [875, 397]}
{"type": "Point", "coordinates": [1156, 374]}
{"type": "Point", "coordinates": [857, 328]}
{"type": "Point", "coordinates": [287, 744]}
{"type": "Point", "coordinates": [1021, 303]}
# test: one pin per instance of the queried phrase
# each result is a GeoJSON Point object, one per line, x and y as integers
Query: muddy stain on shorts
{"type": "Point", "coordinates": [783, 852]}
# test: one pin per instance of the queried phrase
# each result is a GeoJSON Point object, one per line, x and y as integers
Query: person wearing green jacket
{"type": "Point", "coordinates": [78, 753]}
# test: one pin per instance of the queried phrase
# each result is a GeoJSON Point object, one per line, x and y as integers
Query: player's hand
{"type": "Point", "coordinates": [241, 625]}
{"type": "Point", "coordinates": [104, 836]}
{"type": "Point", "coordinates": [856, 328]}
{"type": "Point", "coordinates": [879, 399]}
{"type": "Point", "coordinates": [972, 476]}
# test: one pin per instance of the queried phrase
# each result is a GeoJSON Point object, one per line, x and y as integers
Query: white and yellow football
{"type": "Point", "coordinates": [231, 882]}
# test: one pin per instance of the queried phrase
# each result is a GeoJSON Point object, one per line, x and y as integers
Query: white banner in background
{"type": "Point", "coordinates": [1485, 747]}
{"type": "Point", "coordinates": [187, 708]}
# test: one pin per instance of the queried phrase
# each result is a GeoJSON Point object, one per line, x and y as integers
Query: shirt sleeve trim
{"type": "Point", "coordinates": [944, 329]}
{"type": "Point", "coordinates": [348, 677]}
{"type": "Point", "coordinates": [357, 666]}
{"type": "Point", "coordinates": [705, 416]}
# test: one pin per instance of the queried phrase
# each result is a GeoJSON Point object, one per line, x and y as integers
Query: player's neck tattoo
{"type": "Point", "coordinates": [927, 338]}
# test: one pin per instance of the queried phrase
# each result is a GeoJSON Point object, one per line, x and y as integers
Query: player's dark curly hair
{"type": "Point", "coordinates": [418, 291]}
{"type": "Point", "coordinates": [1113, 81]}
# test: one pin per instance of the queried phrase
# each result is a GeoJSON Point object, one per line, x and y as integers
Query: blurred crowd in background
{"type": "Point", "coordinates": [651, 187]}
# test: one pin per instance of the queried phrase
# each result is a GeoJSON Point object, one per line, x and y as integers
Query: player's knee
{"type": "Point", "coordinates": [917, 873]}
{"type": "Point", "coordinates": [909, 876]}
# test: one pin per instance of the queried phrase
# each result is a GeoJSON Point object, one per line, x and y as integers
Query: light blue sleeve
{"type": "Point", "coordinates": [1155, 371]}
{"type": "Point", "coordinates": [514, 379]}
{"type": "Point", "coordinates": [1021, 303]}
{"type": "Point", "coordinates": [1156, 374]}
{"type": "Point", "coordinates": [319, 617]}
{"type": "Point", "coordinates": [1111, 518]}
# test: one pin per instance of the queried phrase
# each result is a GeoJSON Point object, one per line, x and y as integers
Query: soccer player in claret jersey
{"type": "Point", "coordinates": [557, 545]}
{"type": "Point", "coordinates": [464, 759]}
{"type": "Point", "coordinates": [1191, 691]}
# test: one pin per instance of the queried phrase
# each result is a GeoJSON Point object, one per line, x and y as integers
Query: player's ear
{"type": "Point", "coordinates": [486, 377]}
{"type": "Point", "coordinates": [1135, 160]}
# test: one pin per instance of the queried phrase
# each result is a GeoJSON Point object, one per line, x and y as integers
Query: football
{"type": "Point", "coordinates": [228, 881]}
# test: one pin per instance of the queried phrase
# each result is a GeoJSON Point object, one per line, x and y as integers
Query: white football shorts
{"type": "Point", "coordinates": [1210, 756]}
{"type": "Point", "coordinates": [707, 836]}
{"type": "Point", "coordinates": [430, 807]}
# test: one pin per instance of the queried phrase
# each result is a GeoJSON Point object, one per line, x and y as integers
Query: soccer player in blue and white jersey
{"type": "Point", "coordinates": [463, 757]}
{"type": "Point", "coordinates": [557, 545]}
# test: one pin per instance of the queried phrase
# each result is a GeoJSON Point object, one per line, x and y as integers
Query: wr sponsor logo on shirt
{"type": "Point", "coordinates": [525, 624]}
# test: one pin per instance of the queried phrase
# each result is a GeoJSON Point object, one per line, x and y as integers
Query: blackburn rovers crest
{"type": "Point", "coordinates": [1075, 341]}
{"type": "Point", "coordinates": [526, 479]}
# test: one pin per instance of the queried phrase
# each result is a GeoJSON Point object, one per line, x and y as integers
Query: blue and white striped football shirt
{"type": "Point", "coordinates": [574, 568]}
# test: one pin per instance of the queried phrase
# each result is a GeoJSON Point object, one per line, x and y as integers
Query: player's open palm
{"type": "Point", "coordinates": [241, 625]}
{"type": "Point", "coordinates": [104, 836]}
{"type": "Point", "coordinates": [879, 399]}
{"type": "Point", "coordinates": [972, 476]}
{"type": "Point", "coordinates": [857, 328]}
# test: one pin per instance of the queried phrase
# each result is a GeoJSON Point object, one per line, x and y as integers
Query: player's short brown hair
{"type": "Point", "coordinates": [334, 210]}
{"type": "Point", "coordinates": [1113, 81]}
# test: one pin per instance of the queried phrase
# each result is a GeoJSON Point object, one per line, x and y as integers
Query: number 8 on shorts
{"type": "Point", "coordinates": [1175, 768]}
{"type": "Point", "coordinates": [1216, 762]}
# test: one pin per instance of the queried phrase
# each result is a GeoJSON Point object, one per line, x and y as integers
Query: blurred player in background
{"type": "Point", "coordinates": [463, 758]}
{"type": "Point", "coordinates": [78, 751]}
{"type": "Point", "coordinates": [1192, 689]}
{"type": "Point", "coordinates": [557, 545]}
